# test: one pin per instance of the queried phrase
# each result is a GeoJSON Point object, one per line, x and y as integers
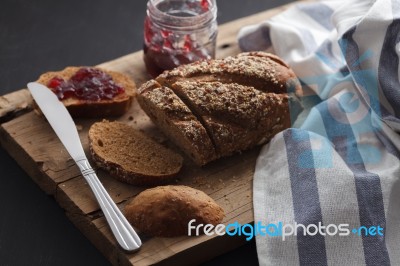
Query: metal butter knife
{"type": "Point", "coordinates": [62, 123]}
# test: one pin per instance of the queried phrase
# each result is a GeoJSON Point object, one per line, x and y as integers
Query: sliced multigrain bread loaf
{"type": "Point", "coordinates": [165, 211]}
{"type": "Point", "coordinates": [78, 107]}
{"type": "Point", "coordinates": [130, 156]}
{"type": "Point", "coordinates": [240, 101]}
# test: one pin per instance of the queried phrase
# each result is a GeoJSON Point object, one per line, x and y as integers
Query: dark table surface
{"type": "Point", "coordinates": [44, 35]}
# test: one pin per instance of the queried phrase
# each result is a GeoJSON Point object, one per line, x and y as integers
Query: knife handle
{"type": "Point", "coordinates": [121, 228]}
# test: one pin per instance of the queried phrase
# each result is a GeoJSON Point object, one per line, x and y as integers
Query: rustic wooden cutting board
{"type": "Point", "coordinates": [30, 140]}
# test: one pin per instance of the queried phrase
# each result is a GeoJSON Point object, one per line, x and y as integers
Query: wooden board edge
{"type": "Point", "coordinates": [15, 104]}
{"type": "Point", "coordinates": [83, 222]}
{"type": "Point", "coordinates": [89, 229]}
{"type": "Point", "coordinates": [204, 251]}
{"type": "Point", "coordinates": [30, 166]}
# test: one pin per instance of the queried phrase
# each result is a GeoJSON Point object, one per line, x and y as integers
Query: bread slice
{"type": "Point", "coordinates": [117, 106]}
{"type": "Point", "coordinates": [130, 156]}
{"type": "Point", "coordinates": [165, 211]}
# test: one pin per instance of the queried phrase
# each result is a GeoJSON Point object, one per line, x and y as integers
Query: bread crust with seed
{"type": "Point", "coordinates": [239, 101]}
{"type": "Point", "coordinates": [117, 106]}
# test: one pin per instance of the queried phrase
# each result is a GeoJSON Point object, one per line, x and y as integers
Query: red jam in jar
{"type": "Point", "coordinates": [87, 83]}
{"type": "Point", "coordinates": [178, 32]}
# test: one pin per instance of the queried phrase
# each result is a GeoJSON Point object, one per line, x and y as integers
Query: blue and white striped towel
{"type": "Point", "coordinates": [340, 163]}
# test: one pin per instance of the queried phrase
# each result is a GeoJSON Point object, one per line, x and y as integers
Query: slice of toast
{"type": "Point", "coordinates": [116, 106]}
{"type": "Point", "coordinates": [130, 156]}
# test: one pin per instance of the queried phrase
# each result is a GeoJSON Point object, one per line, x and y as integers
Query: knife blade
{"type": "Point", "coordinates": [64, 127]}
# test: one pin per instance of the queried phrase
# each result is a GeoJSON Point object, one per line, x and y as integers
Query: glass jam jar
{"type": "Point", "coordinates": [178, 32]}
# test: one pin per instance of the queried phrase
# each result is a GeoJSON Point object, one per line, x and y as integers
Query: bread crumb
{"type": "Point", "coordinates": [79, 127]}
{"type": "Point", "coordinates": [199, 181]}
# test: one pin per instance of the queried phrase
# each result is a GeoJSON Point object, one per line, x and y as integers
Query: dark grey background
{"type": "Point", "coordinates": [43, 35]}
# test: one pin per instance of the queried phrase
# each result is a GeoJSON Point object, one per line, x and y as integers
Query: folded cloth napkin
{"type": "Point", "coordinates": [338, 168]}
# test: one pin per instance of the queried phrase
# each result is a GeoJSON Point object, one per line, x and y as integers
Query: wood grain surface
{"type": "Point", "coordinates": [30, 140]}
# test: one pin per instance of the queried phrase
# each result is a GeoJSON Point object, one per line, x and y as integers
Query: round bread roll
{"type": "Point", "coordinates": [165, 211]}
